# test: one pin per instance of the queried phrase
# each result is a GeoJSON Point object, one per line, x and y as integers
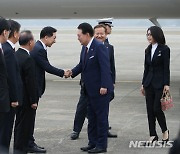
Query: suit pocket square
{"type": "Point", "coordinates": [159, 55]}
{"type": "Point", "coordinates": [91, 57]}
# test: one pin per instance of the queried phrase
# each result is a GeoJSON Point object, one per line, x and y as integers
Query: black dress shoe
{"type": "Point", "coordinates": [38, 146]}
{"type": "Point", "coordinates": [110, 135]}
{"type": "Point", "coordinates": [89, 147]}
{"type": "Point", "coordinates": [74, 135]}
{"type": "Point", "coordinates": [36, 149]}
{"type": "Point", "coordinates": [155, 139]}
{"type": "Point", "coordinates": [97, 150]}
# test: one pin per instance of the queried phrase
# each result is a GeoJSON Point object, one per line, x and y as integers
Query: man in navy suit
{"type": "Point", "coordinates": [81, 110]}
{"type": "Point", "coordinates": [95, 72]}
{"type": "Point", "coordinates": [14, 80]}
{"type": "Point", "coordinates": [39, 54]}
{"type": "Point", "coordinates": [100, 33]}
{"type": "Point", "coordinates": [4, 92]}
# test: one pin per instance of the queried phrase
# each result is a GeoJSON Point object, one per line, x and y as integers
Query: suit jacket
{"type": "Point", "coordinates": [157, 72]}
{"type": "Point", "coordinates": [28, 76]}
{"type": "Point", "coordinates": [39, 55]}
{"type": "Point", "coordinates": [14, 78]}
{"type": "Point", "coordinates": [4, 93]}
{"type": "Point", "coordinates": [112, 61]}
{"type": "Point", "coordinates": [95, 72]}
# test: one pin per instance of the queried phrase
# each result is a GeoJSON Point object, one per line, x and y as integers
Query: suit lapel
{"type": "Point", "coordinates": [90, 50]}
{"type": "Point", "coordinates": [109, 49]}
{"type": "Point", "coordinates": [86, 57]}
{"type": "Point", "coordinates": [148, 55]}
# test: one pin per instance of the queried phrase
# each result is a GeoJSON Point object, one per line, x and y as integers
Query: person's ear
{"type": "Point", "coordinates": [30, 43]}
{"type": "Point", "coordinates": [4, 32]}
{"type": "Point", "coordinates": [46, 37]}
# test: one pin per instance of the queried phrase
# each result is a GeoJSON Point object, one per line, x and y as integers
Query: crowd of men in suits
{"type": "Point", "coordinates": [18, 89]}
{"type": "Point", "coordinates": [22, 83]}
{"type": "Point", "coordinates": [22, 77]}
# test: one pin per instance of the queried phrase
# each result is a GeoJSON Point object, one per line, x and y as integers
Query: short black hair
{"type": "Point", "coordinates": [14, 27]}
{"type": "Point", "coordinates": [4, 25]}
{"type": "Point", "coordinates": [86, 28]}
{"type": "Point", "coordinates": [157, 34]}
{"type": "Point", "coordinates": [25, 37]}
{"type": "Point", "coordinates": [47, 31]}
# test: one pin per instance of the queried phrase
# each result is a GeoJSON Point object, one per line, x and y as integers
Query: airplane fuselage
{"type": "Point", "coordinates": [63, 9]}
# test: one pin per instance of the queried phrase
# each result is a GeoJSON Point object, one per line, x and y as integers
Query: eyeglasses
{"type": "Point", "coordinates": [149, 34]}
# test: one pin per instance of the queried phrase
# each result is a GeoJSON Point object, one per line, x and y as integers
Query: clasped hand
{"type": "Point", "coordinates": [67, 73]}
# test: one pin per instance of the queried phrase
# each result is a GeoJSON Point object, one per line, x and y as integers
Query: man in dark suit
{"type": "Point", "coordinates": [14, 81]}
{"type": "Point", "coordinates": [100, 33]}
{"type": "Point", "coordinates": [108, 23]}
{"type": "Point", "coordinates": [30, 93]}
{"type": "Point", "coordinates": [95, 72]}
{"type": "Point", "coordinates": [39, 54]}
{"type": "Point", "coordinates": [81, 110]}
{"type": "Point", "coordinates": [4, 93]}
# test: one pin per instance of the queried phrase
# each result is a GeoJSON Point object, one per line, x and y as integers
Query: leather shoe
{"type": "Point", "coordinates": [89, 147]}
{"type": "Point", "coordinates": [110, 135]}
{"type": "Point", "coordinates": [36, 149]}
{"type": "Point", "coordinates": [38, 146]}
{"type": "Point", "coordinates": [97, 150]}
{"type": "Point", "coordinates": [74, 135]}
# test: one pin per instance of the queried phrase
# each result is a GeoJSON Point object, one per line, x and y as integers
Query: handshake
{"type": "Point", "coordinates": [67, 73]}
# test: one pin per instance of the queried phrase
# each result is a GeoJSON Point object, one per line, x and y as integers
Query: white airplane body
{"type": "Point", "coordinates": [72, 9]}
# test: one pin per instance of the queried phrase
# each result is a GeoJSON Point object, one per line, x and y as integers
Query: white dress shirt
{"type": "Point", "coordinates": [154, 46]}
{"type": "Point", "coordinates": [89, 44]}
{"type": "Point", "coordinates": [1, 48]}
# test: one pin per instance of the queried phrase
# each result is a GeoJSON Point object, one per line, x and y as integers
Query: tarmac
{"type": "Point", "coordinates": [128, 119]}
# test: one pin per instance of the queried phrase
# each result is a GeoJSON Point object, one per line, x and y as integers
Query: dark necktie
{"type": "Point", "coordinates": [85, 54]}
{"type": "Point", "coordinates": [1, 52]}
{"type": "Point", "coordinates": [2, 56]}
